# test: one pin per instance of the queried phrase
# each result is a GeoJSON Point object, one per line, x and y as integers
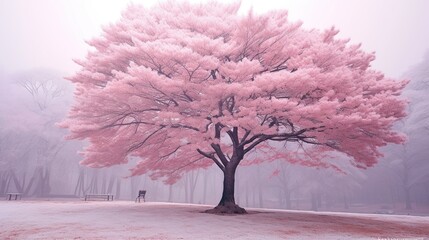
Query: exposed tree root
{"type": "Point", "coordinates": [227, 209]}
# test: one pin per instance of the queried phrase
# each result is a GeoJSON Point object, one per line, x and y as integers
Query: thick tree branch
{"type": "Point", "coordinates": [188, 164]}
{"type": "Point", "coordinates": [259, 138]}
{"type": "Point", "coordinates": [218, 127]}
{"type": "Point", "coordinates": [255, 143]}
{"type": "Point", "coordinates": [148, 123]}
{"type": "Point", "coordinates": [233, 135]}
{"type": "Point", "coordinates": [138, 145]}
{"type": "Point", "coordinates": [212, 157]}
{"type": "Point", "coordinates": [220, 154]}
{"type": "Point", "coordinates": [246, 134]}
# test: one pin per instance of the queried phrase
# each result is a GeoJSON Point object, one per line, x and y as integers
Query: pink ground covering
{"type": "Point", "coordinates": [129, 220]}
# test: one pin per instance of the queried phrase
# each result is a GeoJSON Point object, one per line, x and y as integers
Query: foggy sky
{"type": "Point", "coordinates": [50, 33]}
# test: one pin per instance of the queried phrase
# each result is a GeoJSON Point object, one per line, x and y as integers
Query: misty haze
{"type": "Point", "coordinates": [253, 120]}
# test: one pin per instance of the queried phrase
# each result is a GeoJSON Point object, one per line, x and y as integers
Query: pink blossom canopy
{"type": "Point", "coordinates": [179, 86]}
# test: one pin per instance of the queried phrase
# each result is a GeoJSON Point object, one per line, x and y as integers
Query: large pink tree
{"type": "Point", "coordinates": [182, 86]}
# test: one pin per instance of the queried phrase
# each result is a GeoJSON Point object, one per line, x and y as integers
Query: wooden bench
{"type": "Point", "coordinates": [142, 194]}
{"type": "Point", "coordinates": [108, 197]}
{"type": "Point", "coordinates": [15, 196]}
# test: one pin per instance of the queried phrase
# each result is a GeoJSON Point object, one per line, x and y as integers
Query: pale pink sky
{"type": "Point", "coordinates": [50, 33]}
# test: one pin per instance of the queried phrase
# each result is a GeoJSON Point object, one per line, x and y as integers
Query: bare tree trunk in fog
{"type": "Point", "coordinates": [45, 182]}
{"type": "Point", "coordinates": [103, 183]}
{"type": "Point", "coordinates": [42, 187]}
{"type": "Point", "coordinates": [155, 190]}
{"type": "Point", "coordinates": [3, 181]}
{"type": "Point", "coordinates": [298, 200]}
{"type": "Point", "coordinates": [170, 193]}
{"type": "Point", "coordinates": [313, 201]}
{"type": "Point", "coordinates": [118, 188]}
{"type": "Point", "coordinates": [254, 198]}
{"type": "Point", "coordinates": [319, 199]}
{"type": "Point", "coordinates": [261, 197]}
{"type": "Point", "coordinates": [18, 185]}
{"type": "Point", "coordinates": [30, 184]}
{"type": "Point", "coordinates": [406, 184]}
{"type": "Point", "coordinates": [190, 184]}
{"type": "Point", "coordinates": [345, 201]}
{"type": "Point", "coordinates": [407, 199]}
{"type": "Point", "coordinates": [205, 188]}
{"type": "Point", "coordinates": [24, 178]}
{"type": "Point", "coordinates": [287, 199]}
{"type": "Point", "coordinates": [34, 179]}
{"type": "Point", "coordinates": [193, 182]}
{"type": "Point", "coordinates": [247, 193]}
{"type": "Point", "coordinates": [7, 181]}
{"type": "Point", "coordinates": [285, 186]}
{"type": "Point", "coordinates": [284, 198]}
{"type": "Point", "coordinates": [392, 195]}
{"type": "Point", "coordinates": [237, 184]}
{"type": "Point", "coordinates": [186, 188]}
{"type": "Point", "coordinates": [328, 200]}
{"type": "Point", "coordinates": [111, 183]}
{"type": "Point", "coordinates": [44, 90]}
{"type": "Point", "coordinates": [261, 200]}
{"type": "Point", "coordinates": [80, 184]}
{"type": "Point", "coordinates": [135, 182]}
{"type": "Point", "coordinates": [93, 185]}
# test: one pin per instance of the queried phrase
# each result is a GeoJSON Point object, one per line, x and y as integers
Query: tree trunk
{"type": "Point", "coordinates": [170, 193]}
{"type": "Point", "coordinates": [260, 193]}
{"type": "Point", "coordinates": [406, 184]}
{"type": "Point", "coordinates": [313, 201]}
{"type": "Point", "coordinates": [287, 199]}
{"type": "Point", "coordinates": [110, 185]}
{"type": "Point", "coordinates": [103, 184]}
{"type": "Point", "coordinates": [227, 203]}
{"type": "Point", "coordinates": [46, 186]}
{"type": "Point", "coordinates": [346, 202]}
{"type": "Point", "coordinates": [186, 188]}
{"type": "Point", "coordinates": [228, 166]}
{"type": "Point", "coordinates": [18, 185]}
{"type": "Point", "coordinates": [407, 199]}
{"type": "Point", "coordinates": [118, 189]}
{"type": "Point", "coordinates": [319, 199]}
{"type": "Point", "coordinates": [80, 185]}
{"type": "Point", "coordinates": [194, 179]}
{"type": "Point", "coordinates": [205, 188]}
{"type": "Point", "coordinates": [4, 179]}
{"type": "Point", "coordinates": [247, 193]}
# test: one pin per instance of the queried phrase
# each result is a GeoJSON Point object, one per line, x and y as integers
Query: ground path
{"type": "Point", "coordinates": [164, 221]}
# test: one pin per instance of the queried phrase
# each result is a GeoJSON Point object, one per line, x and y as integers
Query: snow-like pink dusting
{"type": "Point", "coordinates": [129, 220]}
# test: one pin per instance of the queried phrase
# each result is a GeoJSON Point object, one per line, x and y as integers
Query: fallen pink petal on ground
{"type": "Point", "coordinates": [129, 220]}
